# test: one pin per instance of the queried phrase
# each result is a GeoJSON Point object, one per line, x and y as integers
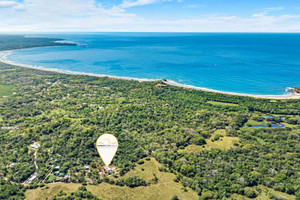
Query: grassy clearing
{"type": "Point", "coordinates": [223, 143]}
{"type": "Point", "coordinates": [290, 125]}
{"type": "Point", "coordinates": [192, 149]}
{"type": "Point", "coordinates": [253, 128]}
{"type": "Point", "coordinates": [150, 168]}
{"type": "Point", "coordinates": [219, 132]}
{"type": "Point", "coordinates": [50, 190]}
{"type": "Point", "coordinates": [253, 122]}
{"type": "Point", "coordinates": [221, 103]}
{"type": "Point", "coordinates": [263, 195]}
{"type": "Point", "coordinates": [164, 189]}
{"type": "Point", "coordinates": [6, 90]}
{"type": "Point", "coordinates": [261, 141]}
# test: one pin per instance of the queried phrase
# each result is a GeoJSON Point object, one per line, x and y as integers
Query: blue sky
{"type": "Point", "coordinates": [194, 8]}
{"type": "Point", "coordinates": [150, 15]}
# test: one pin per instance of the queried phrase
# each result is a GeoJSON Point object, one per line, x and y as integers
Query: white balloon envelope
{"type": "Point", "coordinates": [107, 146]}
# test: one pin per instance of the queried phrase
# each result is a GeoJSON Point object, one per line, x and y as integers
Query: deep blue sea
{"type": "Point", "coordinates": [263, 64]}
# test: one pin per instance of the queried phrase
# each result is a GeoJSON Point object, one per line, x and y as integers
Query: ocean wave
{"type": "Point", "coordinates": [66, 42]}
{"type": "Point", "coordinates": [289, 89]}
{"type": "Point", "coordinates": [287, 94]}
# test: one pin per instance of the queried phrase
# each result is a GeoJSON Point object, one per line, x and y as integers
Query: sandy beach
{"type": "Point", "coordinates": [4, 54]}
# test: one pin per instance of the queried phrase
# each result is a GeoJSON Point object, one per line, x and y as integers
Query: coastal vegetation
{"type": "Point", "coordinates": [173, 142]}
{"type": "Point", "coordinates": [5, 90]}
{"type": "Point", "coordinates": [10, 42]}
{"type": "Point", "coordinates": [222, 103]}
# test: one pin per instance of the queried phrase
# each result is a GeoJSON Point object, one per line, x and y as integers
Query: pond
{"type": "Point", "coordinates": [277, 126]}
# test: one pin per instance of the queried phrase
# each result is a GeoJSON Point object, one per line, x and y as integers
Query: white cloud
{"type": "Point", "coordinates": [192, 6]}
{"type": "Point", "coordinates": [128, 4]}
{"type": "Point", "coordinates": [269, 10]}
{"type": "Point", "coordinates": [274, 8]}
{"type": "Point", "coordinates": [8, 4]}
{"type": "Point", "coordinates": [88, 15]}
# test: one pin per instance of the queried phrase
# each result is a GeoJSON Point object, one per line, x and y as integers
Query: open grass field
{"type": "Point", "coordinates": [254, 128]}
{"type": "Point", "coordinates": [264, 194]}
{"type": "Point", "coordinates": [224, 143]}
{"type": "Point", "coordinates": [221, 103]}
{"type": "Point", "coordinates": [252, 122]}
{"type": "Point", "coordinates": [164, 189]}
{"type": "Point", "coordinates": [6, 90]}
{"type": "Point", "coordinates": [219, 132]}
{"type": "Point", "coordinates": [290, 125]}
{"type": "Point", "coordinates": [50, 190]}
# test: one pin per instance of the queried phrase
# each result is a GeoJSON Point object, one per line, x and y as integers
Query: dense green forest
{"type": "Point", "coordinates": [65, 114]}
{"type": "Point", "coordinates": [9, 42]}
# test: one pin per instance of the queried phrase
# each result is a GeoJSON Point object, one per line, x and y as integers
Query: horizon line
{"type": "Point", "coordinates": [47, 32]}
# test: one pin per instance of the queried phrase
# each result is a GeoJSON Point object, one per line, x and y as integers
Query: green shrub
{"type": "Point", "coordinates": [249, 192]}
{"type": "Point", "coordinates": [140, 162]}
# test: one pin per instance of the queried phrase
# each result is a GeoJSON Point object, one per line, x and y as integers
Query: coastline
{"type": "Point", "coordinates": [4, 54]}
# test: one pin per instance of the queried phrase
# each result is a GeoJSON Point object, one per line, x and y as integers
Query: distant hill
{"type": "Point", "coordinates": [9, 42]}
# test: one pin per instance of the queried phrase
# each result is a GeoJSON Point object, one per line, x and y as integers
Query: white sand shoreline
{"type": "Point", "coordinates": [4, 54]}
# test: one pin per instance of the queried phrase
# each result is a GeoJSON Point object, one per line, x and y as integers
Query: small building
{"type": "Point", "coordinates": [67, 176]}
{"type": "Point", "coordinates": [86, 167]}
{"type": "Point", "coordinates": [110, 170]}
{"type": "Point", "coordinates": [107, 169]}
{"type": "Point", "coordinates": [8, 128]}
{"type": "Point", "coordinates": [57, 168]}
{"type": "Point", "coordinates": [35, 146]}
{"type": "Point", "coordinates": [32, 178]}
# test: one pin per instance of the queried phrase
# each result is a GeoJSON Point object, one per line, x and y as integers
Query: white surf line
{"type": "Point", "coordinates": [289, 95]}
{"type": "Point", "coordinates": [4, 54]}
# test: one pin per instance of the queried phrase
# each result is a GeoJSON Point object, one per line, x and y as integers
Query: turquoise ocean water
{"type": "Point", "coordinates": [264, 64]}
